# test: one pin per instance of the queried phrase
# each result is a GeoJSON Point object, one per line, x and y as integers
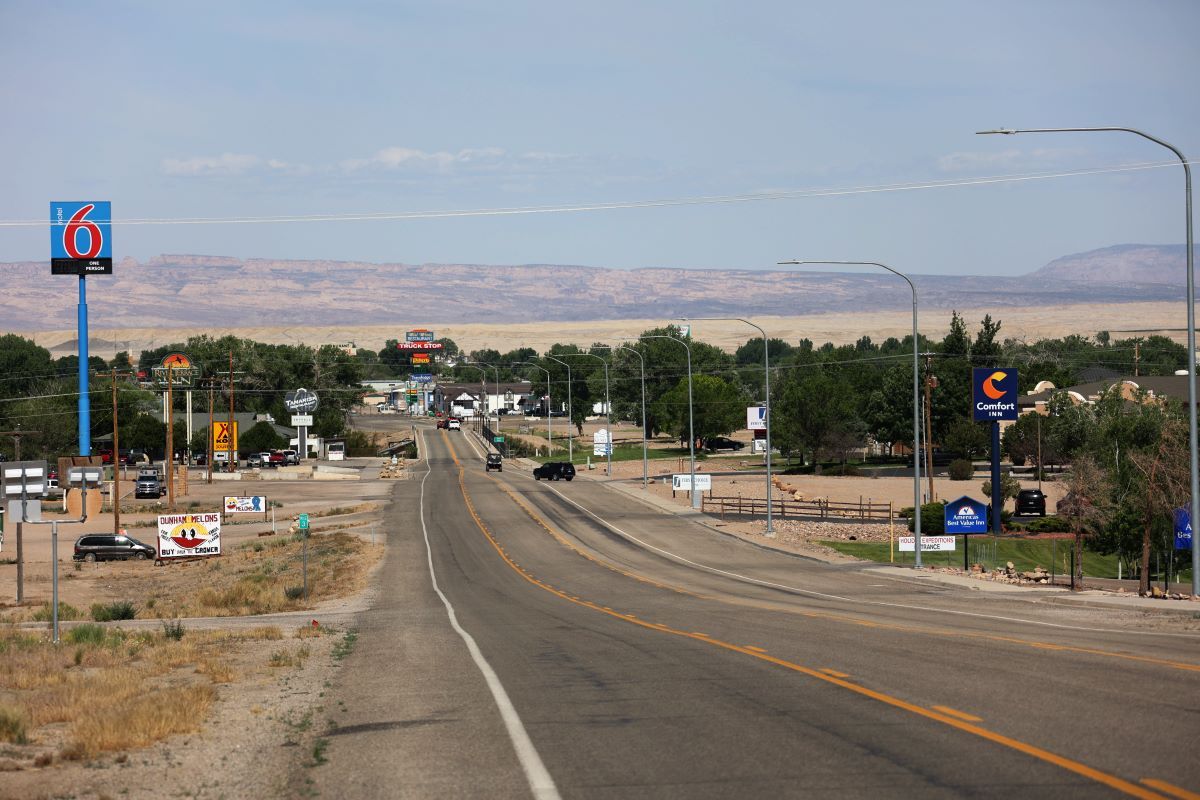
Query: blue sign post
{"type": "Point", "coordinates": [993, 398]}
{"type": "Point", "coordinates": [81, 244]}
{"type": "Point", "coordinates": [1183, 529]}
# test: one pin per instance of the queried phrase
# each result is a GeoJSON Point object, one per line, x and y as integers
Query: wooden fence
{"type": "Point", "coordinates": [817, 507]}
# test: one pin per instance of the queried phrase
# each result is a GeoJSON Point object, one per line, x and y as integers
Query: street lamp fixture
{"type": "Point", "coordinates": [645, 454]}
{"type": "Point", "coordinates": [570, 416]}
{"type": "Point", "coordinates": [549, 435]}
{"type": "Point", "coordinates": [916, 398]}
{"type": "Point", "coordinates": [691, 428]}
{"type": "Point", "coordinates": [1191, 311]}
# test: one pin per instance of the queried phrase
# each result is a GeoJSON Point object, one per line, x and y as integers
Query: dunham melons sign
{"type": "Point", "coordinates": [189, 535]}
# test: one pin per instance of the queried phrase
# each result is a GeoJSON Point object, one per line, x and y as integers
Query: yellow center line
{"type": "Point", "coordinates": [1171, 789]}
{"type": "Point", "coordinates": [1034, 751]}
{"type": "Point", "coordinates": [756, 649]}
{"type": "Point", "coordinates": [836, 674]}
{"type": "Point", "coordinates": [954, 712]}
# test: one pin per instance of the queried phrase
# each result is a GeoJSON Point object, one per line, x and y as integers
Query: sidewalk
{"type": "Point", "coordinates": [1089, 598]}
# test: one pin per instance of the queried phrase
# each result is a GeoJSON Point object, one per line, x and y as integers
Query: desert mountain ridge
{"type": "Point", "coordinates": [175, 291]}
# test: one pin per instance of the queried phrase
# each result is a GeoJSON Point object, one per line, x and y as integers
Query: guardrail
{"type": "Point", "coordinates": [817, 507]}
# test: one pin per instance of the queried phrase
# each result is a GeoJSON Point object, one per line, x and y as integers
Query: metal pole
{"type": "Point", "coordinates": [916, 398]}
{"type": "Point", "coordinates": [170, 437]}
{"type": "Point", "coordinates": [85, 406]}
{"type": "Point", "coordinates": [570, 413]}
{"type": "Point", "coordinates": [645, 452]}
{"type": "Point", "coordinates": [607, 411]}
{"type": "Point", "coordinates": [54, 561]}
{"type": "Point", "coordinates": [691, 427]}
{"type": "Point", "coordinates": [116, 449]}
{"type": "Point", "coordinates": [1191, 317]}
{"type": "Point", "coordinates": [767, 401]}
{"type": "Point", "coordinates": [549, 436]}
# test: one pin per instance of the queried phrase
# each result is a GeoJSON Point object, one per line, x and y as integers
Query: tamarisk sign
{"type": "Point", "coordinates": [302, 403]}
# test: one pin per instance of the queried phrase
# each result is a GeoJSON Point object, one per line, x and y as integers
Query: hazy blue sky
{"type": "Point", "coordinates": [181, 110]}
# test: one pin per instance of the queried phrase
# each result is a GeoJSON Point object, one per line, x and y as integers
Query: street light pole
{"type": "Point", "coordinates": [1191, 314]}
{"type": "Point", "coordinates": [916, 398]}
{"type": "Point", "coordinates": [691, 427]}
{"type": "Point", "coordinates": [645, 454]}
{"type": "Point", "coordinates": [607, 410]}
{"type": "Point", "coordinates": [549, 436]}
{"type": "Point", "coordinates": [570, 416]}
{"type": "Point", "coordinates": [767, 401]}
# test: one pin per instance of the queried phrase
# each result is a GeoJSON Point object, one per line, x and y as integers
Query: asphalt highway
{"type": "Point", "coordinates": [562, 640]}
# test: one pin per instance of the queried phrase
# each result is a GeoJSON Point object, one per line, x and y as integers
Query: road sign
{"type": "Point", "coordinates": [301, 401]}
{"type": "Point", "coordinates": [498, 439]}
{"type": "Point", "coordinates": [1183, 529]}
{"type": "Point", "coordinates": [928, 543]}
{"type": "Point", "coordinates": [224, 436]}
{"type": "Point", "coordinates": [81, 238]}
{"type": "Point", "coordinates": [965, 515]}
{"type": "Point", "coordinates": [993, 393]}
{"type": "Point", "coordinates": [302, 522]}
{"type": "Point", "coordinates": [177, 368]}
{"type": "Point", "coordinates": [682, 483]}
{"type": "Point", "coordinates": [301, 420]}
{"type": "Point", "coordinates": [420, 358]}
{"type": "Point", "coordinates": [184, 535]}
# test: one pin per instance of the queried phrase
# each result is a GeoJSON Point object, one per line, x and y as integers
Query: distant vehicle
{"type": "Point", "coordinates": [52, 478]}
{"type": "Point", "coordinates": [722, 443]}
{"type": "Point", "coordinates": [254, 460]}
{"type": "Point", "coordinates": [200, 459]}
{"type": "Point", "coordinates": [1031, 502]}
{"type": "Point", "coordinates": [290, 457]}
{"type": "Point", "coordinates": [266, 461]}
{"type": "Point", "coordinates": [454, 424]}
{"type": "Point", "coordinates": [555, 470]}
{"type": "Point", "coordinates": [102, 547]}
{"type": "Point", "coordinates": [493, 462]}
{"type": "Point", "coordinates": [442, 423]}
{"type": "Point", "coordinates": [148, 485]}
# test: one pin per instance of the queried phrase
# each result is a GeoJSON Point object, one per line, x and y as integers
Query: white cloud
{"type": "Point", "coordinates": [224, 164]}
{"type": "Point", "coordinates": [969, 162]}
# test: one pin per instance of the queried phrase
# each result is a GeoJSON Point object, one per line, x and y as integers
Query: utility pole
{"type": "Point", "coordinates": [208, 445]}
{"type": "Point", "coordinates": [1137, 353]}
{"type": "Point", "coordinates": [16, 435]}
{"type": "Point", "coordinates": [229, 462]}
{"type": "Point", "coordinates": [930, 384]}
{"type": "Point", "coordinates": [170, 437]}
{"type": "Point", "coordinates": [116, 450]}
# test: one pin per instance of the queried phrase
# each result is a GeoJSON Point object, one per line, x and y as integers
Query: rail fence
{"type": "Point", "coordinates": [817, 507]}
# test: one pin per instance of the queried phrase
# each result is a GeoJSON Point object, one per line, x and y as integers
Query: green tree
{"type": "Point", "coordinates": [718, 408]}
{"type": "Point", "coordinates": [260, 438]}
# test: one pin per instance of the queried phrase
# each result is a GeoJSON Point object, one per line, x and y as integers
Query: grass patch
{"type": "Point", "coordinates": [1024, 553]}
{"type": "Point", "coordinates": [12, 725]}
{"type": "Point", "coordinates": [117, 610]}
{"type": "Point", "coordinates": [173, 629]}
{"type": "Point", "coordinates": [66, 611]}
{"type": "Point", "coordinates": [86, 634]}
{"type": "Point", "coordinates": [346, 646]}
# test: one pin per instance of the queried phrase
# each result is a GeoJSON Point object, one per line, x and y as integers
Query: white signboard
{"type": "Point", "coordinates": [187, 535]}
{"type": "Point", "coordinates": [299, 420]}
{"type": "Point", "coordinates": [601, 446]}
{"type": "Point", "coordinates": [908, 544]}
{"type": "Point", "coordinates": [682, 483]}
{"type": "Point", "coordinates": [756, 418]}
{"type": "Point", "coordinates": [246, 505]}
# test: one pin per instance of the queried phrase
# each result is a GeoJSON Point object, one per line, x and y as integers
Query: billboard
{"type": "Point", "coordinates": [189, 535]}
{"type": "Point", "coordinates": [418, 345]}
{"type": "Point", "coordinates": [756, 418]}
{"type": "Point", "coordinates": [81, 237]}
{"type": "Point", "coordinates": [419, 335]}
{"type": "Point", "coordinates": [420, 358]}
{"type": "Point", "coordinates": [935, 544]}
{"type": "Point", "coordinates": [256, 504]}
{"type": "Point", "coordinates": [178, 369]}
{"type": "Point", "coordinates": [301, 401]}
{"type": "Point", "coordinates": [993, 393]}
{"type": "Point", "coordinates": [682, 483]}
{"type": "Point", "coordinates": [224, 436]}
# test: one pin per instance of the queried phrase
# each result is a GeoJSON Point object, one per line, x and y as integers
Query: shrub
{"type": "Point", "coordinates": [294, 592]}
{"type": "Point", "coordinates": [933, 519]}
{"type": "Point", "coordinates": [120, 609]}
{"type": "Point", "coordinates": [841, 469]}
{"type": "Point", "coordinates": [65, 611]}
{"type": "Point", "coordinates": [12, 725]}
{"type": "Point", "coordinates": [173, 629]}
{"type": "Point", "coordinates": [86, 634]}
{"type": "Point", "coordinates": [1048, 525]}
{"type": "Point", "coordinates": [961, 470]}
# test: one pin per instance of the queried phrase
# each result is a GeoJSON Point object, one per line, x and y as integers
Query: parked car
{"type": "Point", "coordinates": [722, 443]}
{"type": "Point", "coordinates": [105, 546]}
{"type": "Point", "coordinates": [1031, 502]}
{"type": "Point", "coordinates": [555, 470]}
{"type": "Point", "coordinates": [493, 462]}
{"type": "Point", "coordinates": [275, 458]}
{"type": "Point", "coordinates": [291, 458]}
{"type": "Point", "coordinates": [253, 460]}
{"type": "Point", "coordinates": [148, 485]}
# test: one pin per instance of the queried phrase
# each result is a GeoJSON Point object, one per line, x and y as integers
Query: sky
{"type": "Point", "coordinates": [795, 113]}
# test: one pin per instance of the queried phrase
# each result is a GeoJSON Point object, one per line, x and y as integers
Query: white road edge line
{"type": "Point", "coordinates": [540, 782]}
{"type": "Point", "coordinates": [839, 598]}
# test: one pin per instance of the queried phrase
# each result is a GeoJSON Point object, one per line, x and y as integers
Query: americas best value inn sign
{"type": "Point", "coordinates": [994, 393]}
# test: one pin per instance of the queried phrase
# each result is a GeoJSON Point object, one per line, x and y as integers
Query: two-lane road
{"type": "Point", "coordinates": [617, 651]}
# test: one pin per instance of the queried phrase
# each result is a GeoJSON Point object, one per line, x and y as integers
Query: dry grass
{"type": "Point", "coordinates": [115, 689]}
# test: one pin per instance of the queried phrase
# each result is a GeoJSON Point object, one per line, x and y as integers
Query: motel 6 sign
{"type": "Point", "coordinates": [993, 393]}
{"type": "Point", "coordinates": [81, 238]}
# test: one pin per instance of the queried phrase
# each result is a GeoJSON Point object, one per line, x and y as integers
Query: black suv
{"type": "Point", "coordinates": [555, 470]}
{"type": "Point", "coordinates": [103, 546]}
{"type": "Point", "coordinates": [493, 462]}
{"type": "Point", "coordinates": [1031, 502]}
{"type": "Point", "coordinates": [722, 443]}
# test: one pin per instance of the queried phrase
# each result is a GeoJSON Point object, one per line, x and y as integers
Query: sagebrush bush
{"type": "Point", "coordinates": [961, 470]}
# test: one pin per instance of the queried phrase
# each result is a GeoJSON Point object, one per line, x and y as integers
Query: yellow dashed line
{"type": "Point", "coordinates": [834, 672]}
{"type": "Point", "coordinates": [956, 713]}
{"type": "Point", "coordinates": [1171, 789]}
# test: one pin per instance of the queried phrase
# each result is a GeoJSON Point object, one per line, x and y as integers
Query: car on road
{"type": "Point", "coordinates": [291, 458]}
{"type": "Point", "coordinates": [1031, 502]}
{"type": "Point", "coordinates": [106, 546]}
{"type": "Point", "coordinates": [148, 486]}
{"type": "Point", "coordinates": [442, 422]}
{"type": "Point", "coordinates": [555, 470]}
{"type": "Point", "coordinates": [722, 443]}
{"type": "Point", "coordinates": [454, 424]}
{"type": "Point", "coordinates": [493, 461]}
